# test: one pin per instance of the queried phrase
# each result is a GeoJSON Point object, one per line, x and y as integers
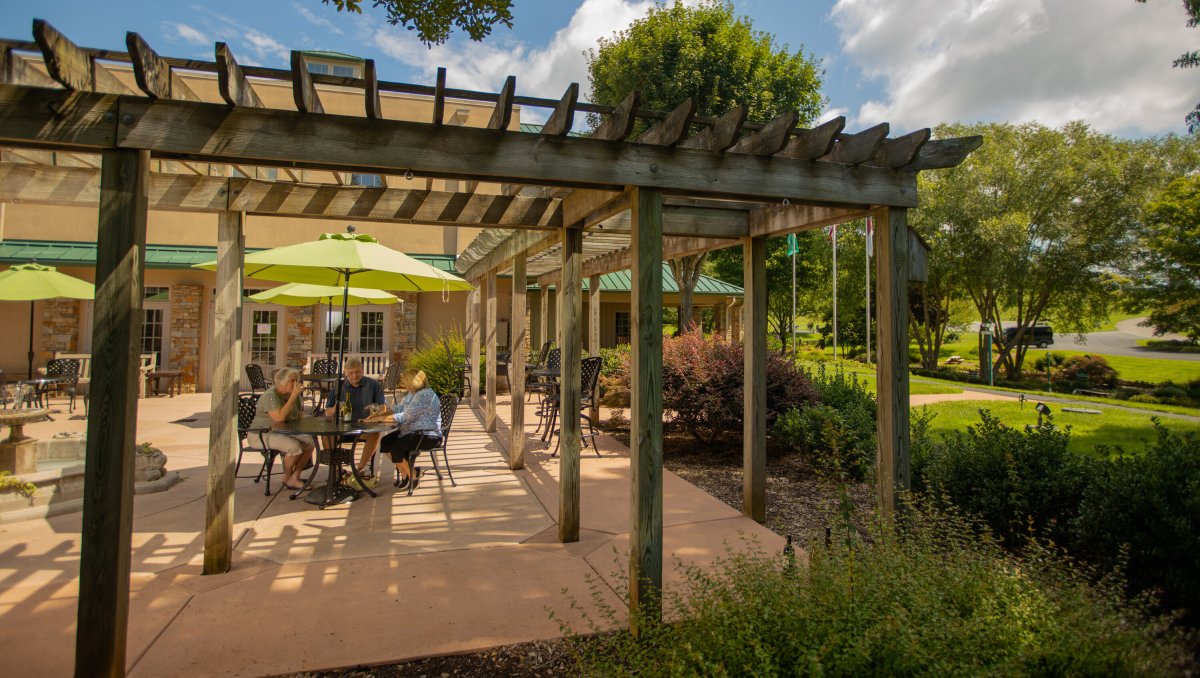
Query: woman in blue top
{"type": "Point", "coordinates": [419, 414]}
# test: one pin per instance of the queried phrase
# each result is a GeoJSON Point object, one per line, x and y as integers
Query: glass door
{"type": "Point", "coordinates": [363, 329]}
{"type": "Point", "coordinates": [262, 329]}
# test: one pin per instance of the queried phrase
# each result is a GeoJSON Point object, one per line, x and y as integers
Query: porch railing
{"type": "Point", "coordinates": [374, 364]}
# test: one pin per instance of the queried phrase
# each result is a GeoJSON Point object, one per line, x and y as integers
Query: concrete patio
{"type": "Point", "coordinates": [449, 569]}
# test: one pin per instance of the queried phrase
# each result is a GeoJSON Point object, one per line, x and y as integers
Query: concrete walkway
{"type": "Point", "coordinates": [449, 569]}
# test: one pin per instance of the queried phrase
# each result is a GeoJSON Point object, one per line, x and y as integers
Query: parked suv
{"type": "Point", "coordinates": [1038, 335]}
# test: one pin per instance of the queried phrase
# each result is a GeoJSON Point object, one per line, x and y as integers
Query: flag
{"type": "Point", "coordinates": [831, 232]}
{"type": "Point", "coordinates": [793, 245]}
{"type": "Point", "coordinates": [870, 236]}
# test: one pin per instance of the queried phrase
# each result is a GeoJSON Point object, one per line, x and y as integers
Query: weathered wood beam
{"type": "Point", "coordinates": [439, 97]}
{"type": "Point", "coordinates": [900, 151]}
{"type": "Point", "coordinates": [754, 412]}
{"type": "Point", "coordinates": [71, 66]}
{"type": "Point", "coordinates": [810, 144]}
{"type": "Point", "coordinates": [891, 372]}
{"type": "Point", "coordinates": [235, 89]}
{"type": "Point", "coordinates": [214, 133]}
{"type": "Point", "coordinates": [918, 257]}
{"type": "Point", "coordinates": [620, 124]}
{"type": "Point", "coordinates": [943, 153]}
{"type": "Point", "coordinates": [646, 410]}
{"type": "Point", "coordinates": [559, 122]}
{"type": "Point", "coordinates": [673, 248]}
{"type": "Point", "coordinates": [516, 363]}
{"type": "Point", "coordinates": [855, 149]}
{"type": "Point", "coordinates": [490, 329]}
{"type": "Point", "coordinates": [19, 70]}
{"type": "Point", "coordinates": [530, 242]}
{"type": "Point", "coordinates": [771, 138]}
{"type": "Point", "coordinates": [570, 305]}
{"type": "Point", "coordinates": [103, 615]}
{"type": "Point", "coordinates": [583, 208]}
{"type": "Point", "coordinates": [546, 329]}
{"type": "Point", "coordinates": [777, 220]}
{"type": "Point", "coordinates": [153, 75]}
{"type": "Point", "coordinates": [225, 359]}
{"type": "Point", "coordinates": [304, 92]}
{"type": "Point", "coordinates": [670, 130]}
{"type": "Point", "coordinates": [721, 135]}
{"type": "Point", "coordinates": [594, 335]}
{"type": "Point", "coordinates": [687, 221]}
{"type": "Point", "coordinates": [374, 109]}
{"type": "Point", "coordinates": [472, 341]}
{"type": "Point", "coordinates": [502, 113]}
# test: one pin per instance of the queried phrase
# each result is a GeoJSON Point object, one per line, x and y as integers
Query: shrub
{"type": "Point", "coordinates": [940, 600]}
{"type": "Point", "coordinates": [837, 434]}
{"type": "Point", "coordinates": [1055, 360]}
{"type": "Point", "coordinates": [1144, 398]}
{"type": "Point", "coordinates": [1015, 481]}
{"type": "Point", "coordinates": [1087, 370]}
{"type": "Point", "coordinates": [1171, 393]}
{"type": "Point", "coordinates": [1151, 505]}
{"type": "Point", "coordinates": [441, 358]}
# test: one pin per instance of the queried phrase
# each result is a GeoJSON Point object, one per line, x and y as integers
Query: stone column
{"type": "Point", "coordinates": [404, 330]}
{"type": "Point", "coordinates": [60, 327]}
{"type": "Point", "coordinates": [185, 333]}
{"type": "Point", "coordinates": [300, 338]}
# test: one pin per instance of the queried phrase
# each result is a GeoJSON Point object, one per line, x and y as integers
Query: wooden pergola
{"type": "Point", "coordinates": [569, 208]}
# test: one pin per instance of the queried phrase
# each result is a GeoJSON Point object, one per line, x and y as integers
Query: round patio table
{"type": "Point", "coordinates": [333, 457]}
{"type": "Point", "coordinates": [551, 375]}
{"type": "Point", "coordinates": [41, 385]}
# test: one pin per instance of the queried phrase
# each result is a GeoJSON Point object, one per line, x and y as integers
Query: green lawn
{"type": "Point", "coordinates": [1113, 427]}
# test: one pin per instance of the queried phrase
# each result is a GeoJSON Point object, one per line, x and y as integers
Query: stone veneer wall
{"type": "Point", "coordinates": [404, 332]}
{"type": "Point", "coordinates": [60, 327]}
{"type": "Point", "coordinates": [185, 333]}
{"type": "Point", "coordinates": [299, 335]}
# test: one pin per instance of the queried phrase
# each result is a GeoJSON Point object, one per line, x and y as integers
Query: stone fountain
{"type": "Point", "coordinates": [18, 454]}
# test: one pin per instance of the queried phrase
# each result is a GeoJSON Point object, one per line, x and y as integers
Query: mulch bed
{"type": "Point", "coordinates": [800, 502]}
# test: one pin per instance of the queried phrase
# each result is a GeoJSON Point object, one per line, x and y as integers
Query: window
{"type": "Point", "coordinates": [344, 71]}
{"type": "Point", "coordinates": [263, 335]}
{"type": "Point", "coordinates": [320, 69]}
{"type": "Point", "coordinates": [370, 332]}
{"type": "Point", "coordinates": [334, 330]}
{"type": "Point", "coordinates": [622, 328]}
{"type": "Point", "coordinates": [153, 320]}
{"type": "Point", "coordinates": [369, 180]}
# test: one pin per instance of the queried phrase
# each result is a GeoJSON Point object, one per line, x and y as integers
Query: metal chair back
{"type": "Point", "coordinates": [258, 382]}
{"type": "Point", "coordinates": [391, 378]}
{"type": "Point", "coordinates": [247, 406]}
{"type": "Point", "coordinates": [554, 359]}
{"type": "Point", "coordinates": [590, 378]}
{"type": "Point", "coordinates": [325, 367]}
{"type": "Point", "coordinates": [541, 359]}
{"type": "Point", "coordinates": [63, 367]}
{"type": "Point", "coordinates": [449, 404]}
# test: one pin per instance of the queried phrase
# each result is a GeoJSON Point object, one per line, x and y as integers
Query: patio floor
{"type": "Point", "coordinates": [449, 569]}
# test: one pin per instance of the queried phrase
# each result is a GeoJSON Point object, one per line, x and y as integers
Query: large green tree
{"type": "Point", "coordinates": [1167, 277]}
{"type": "Point", "coordinates": [707, 53]}
{"type": "Point", "coordinates": [1036, 222]}
{"type": "Point", "coordinates": [434, 20]}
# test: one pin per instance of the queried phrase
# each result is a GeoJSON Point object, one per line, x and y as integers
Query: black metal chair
{"type": "Point", "coordinates": [318, 392]}
{"type": "Point", "coordinates": [589, 378]}
{"type": "Point", "coordinates": [258, 382]}
{"type": "Point", "coordinates": [540, 362]}
{"type": "Point", "coordinates": [503, 359]}
{"type": "Point", "coordinates": [247, 435]}
{"type": "Point", "coordinates": [391, 381]}
{"type": "Point", "coordinates": [545, 388]}
{"type": "Point", "coordinates": [449, 405]}
{"type": "Point", "coordinates": [68, 369]}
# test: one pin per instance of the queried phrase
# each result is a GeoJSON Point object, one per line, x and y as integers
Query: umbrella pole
{"type": "Point", "coordinates": [342, 346]}
{"type": "Point", "coordinates": [30, 341]}
{"type": "Point", "coordinates": [328, 326]}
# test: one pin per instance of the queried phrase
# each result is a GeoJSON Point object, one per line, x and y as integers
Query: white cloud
{"type": "Point", "coordinates": [265, 47]}
{"type": "Point", "coordinates": [184, 32]}
{"type": "Point", "coordinates": [315, 20]}
{"type": "Point", "coordinates": [544, 71]}
{"type": "Point", "coordinates": [1107, 63]}
{"type": "Point", "coordinates": [830, 114]}
{"type": "Point", "coordinates": [251, 46]}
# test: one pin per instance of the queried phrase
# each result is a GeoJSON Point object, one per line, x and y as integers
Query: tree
{"type": "Point", "coordinates": [433, 20]}
{"type": "Point", "coordinates": [1190, 59]}
{"type": "Point", "coordinates": [706, 53]}
{"type": "Point", "coordinates": [1167, 278]}
{"type": "Point", "coordinates": [1036, 222]}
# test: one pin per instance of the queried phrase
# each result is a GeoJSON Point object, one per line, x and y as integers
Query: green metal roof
{"type": "Point", "coordinates": [157, 256]}
{"type": "Point", "coordinates": [337, 56]}
{"type": "Point", "coordinates": [530, 128]}
{"type": "Point", "coordinates": [622, 281]}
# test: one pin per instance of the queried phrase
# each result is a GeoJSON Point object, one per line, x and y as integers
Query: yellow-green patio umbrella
{"type": "Point", "coordinates": [33, 282]}
{"type": "Point", "coordinates": [304, 294]}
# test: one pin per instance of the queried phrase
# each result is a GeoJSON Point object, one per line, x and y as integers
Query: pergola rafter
{"type": "Point", "coordinates": [687, 184]}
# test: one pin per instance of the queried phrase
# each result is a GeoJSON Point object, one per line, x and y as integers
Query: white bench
{"type": "Point", "coordinates": [374, 364]}
{"type": "Point", "coordinates": [147, 363]}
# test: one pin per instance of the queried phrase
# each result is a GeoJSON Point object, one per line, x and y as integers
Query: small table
{"type": "Point", "coordinates": [40, 386]}
{"type": "Point", "coordinates": [174, 381]}
{"type": "Point", "coordinates": [334, 458]}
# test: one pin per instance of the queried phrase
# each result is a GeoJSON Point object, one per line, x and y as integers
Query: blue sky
{"type": "Point", "coordinates": [914, 63]}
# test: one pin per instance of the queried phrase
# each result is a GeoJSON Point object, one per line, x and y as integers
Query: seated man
{"type": "Point", "coordinates": [365, 396]}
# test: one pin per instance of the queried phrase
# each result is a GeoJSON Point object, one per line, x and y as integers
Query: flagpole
{"type": "Point", "coordinates": [867, 247]}
{"type": "Point", "coordinates": [835, 328]}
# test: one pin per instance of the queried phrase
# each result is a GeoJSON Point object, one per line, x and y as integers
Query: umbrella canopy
{"type": "Point", "coordinates": [303, 294]}
{"type": "Point", "coordinates": [30, 282]}
{"type": "Point", "coordinates": [344, 258]}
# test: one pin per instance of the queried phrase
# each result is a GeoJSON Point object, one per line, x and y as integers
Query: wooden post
{"type": "Point", "coordinates": [225, 357]}
{"type": "Point", "coordinates": [570, 303]}
{"type": "Point", "coordinates": [544, 334]}
{"type": "Point", "coordinates": [594, 334]}
{"type": "Point", "coordinates": [473, 341]}
{"type": "Point", "coordinates": [645, 422]}
{"type": "Point", "coordinates": [891, 371]}
{"type": "Point", "coordinates": [490, 333]}
{"type": "Point", "coordinates": [516, 365]}
{"type": "Point", "coordinates": [536, 336]}
{"type": "Point", "coordinates": [754, 412]}
{"type": "Point", "coordinates": [103, 615]}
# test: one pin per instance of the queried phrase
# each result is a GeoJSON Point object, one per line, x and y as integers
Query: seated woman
{"type": "Point", "coordinates": [275, 406]}
{"type": "Point", "coordinates": [419, 414]}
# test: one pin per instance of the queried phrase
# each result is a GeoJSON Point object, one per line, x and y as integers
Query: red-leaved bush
{"type": "Point", "coordinates": [702, 385]}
